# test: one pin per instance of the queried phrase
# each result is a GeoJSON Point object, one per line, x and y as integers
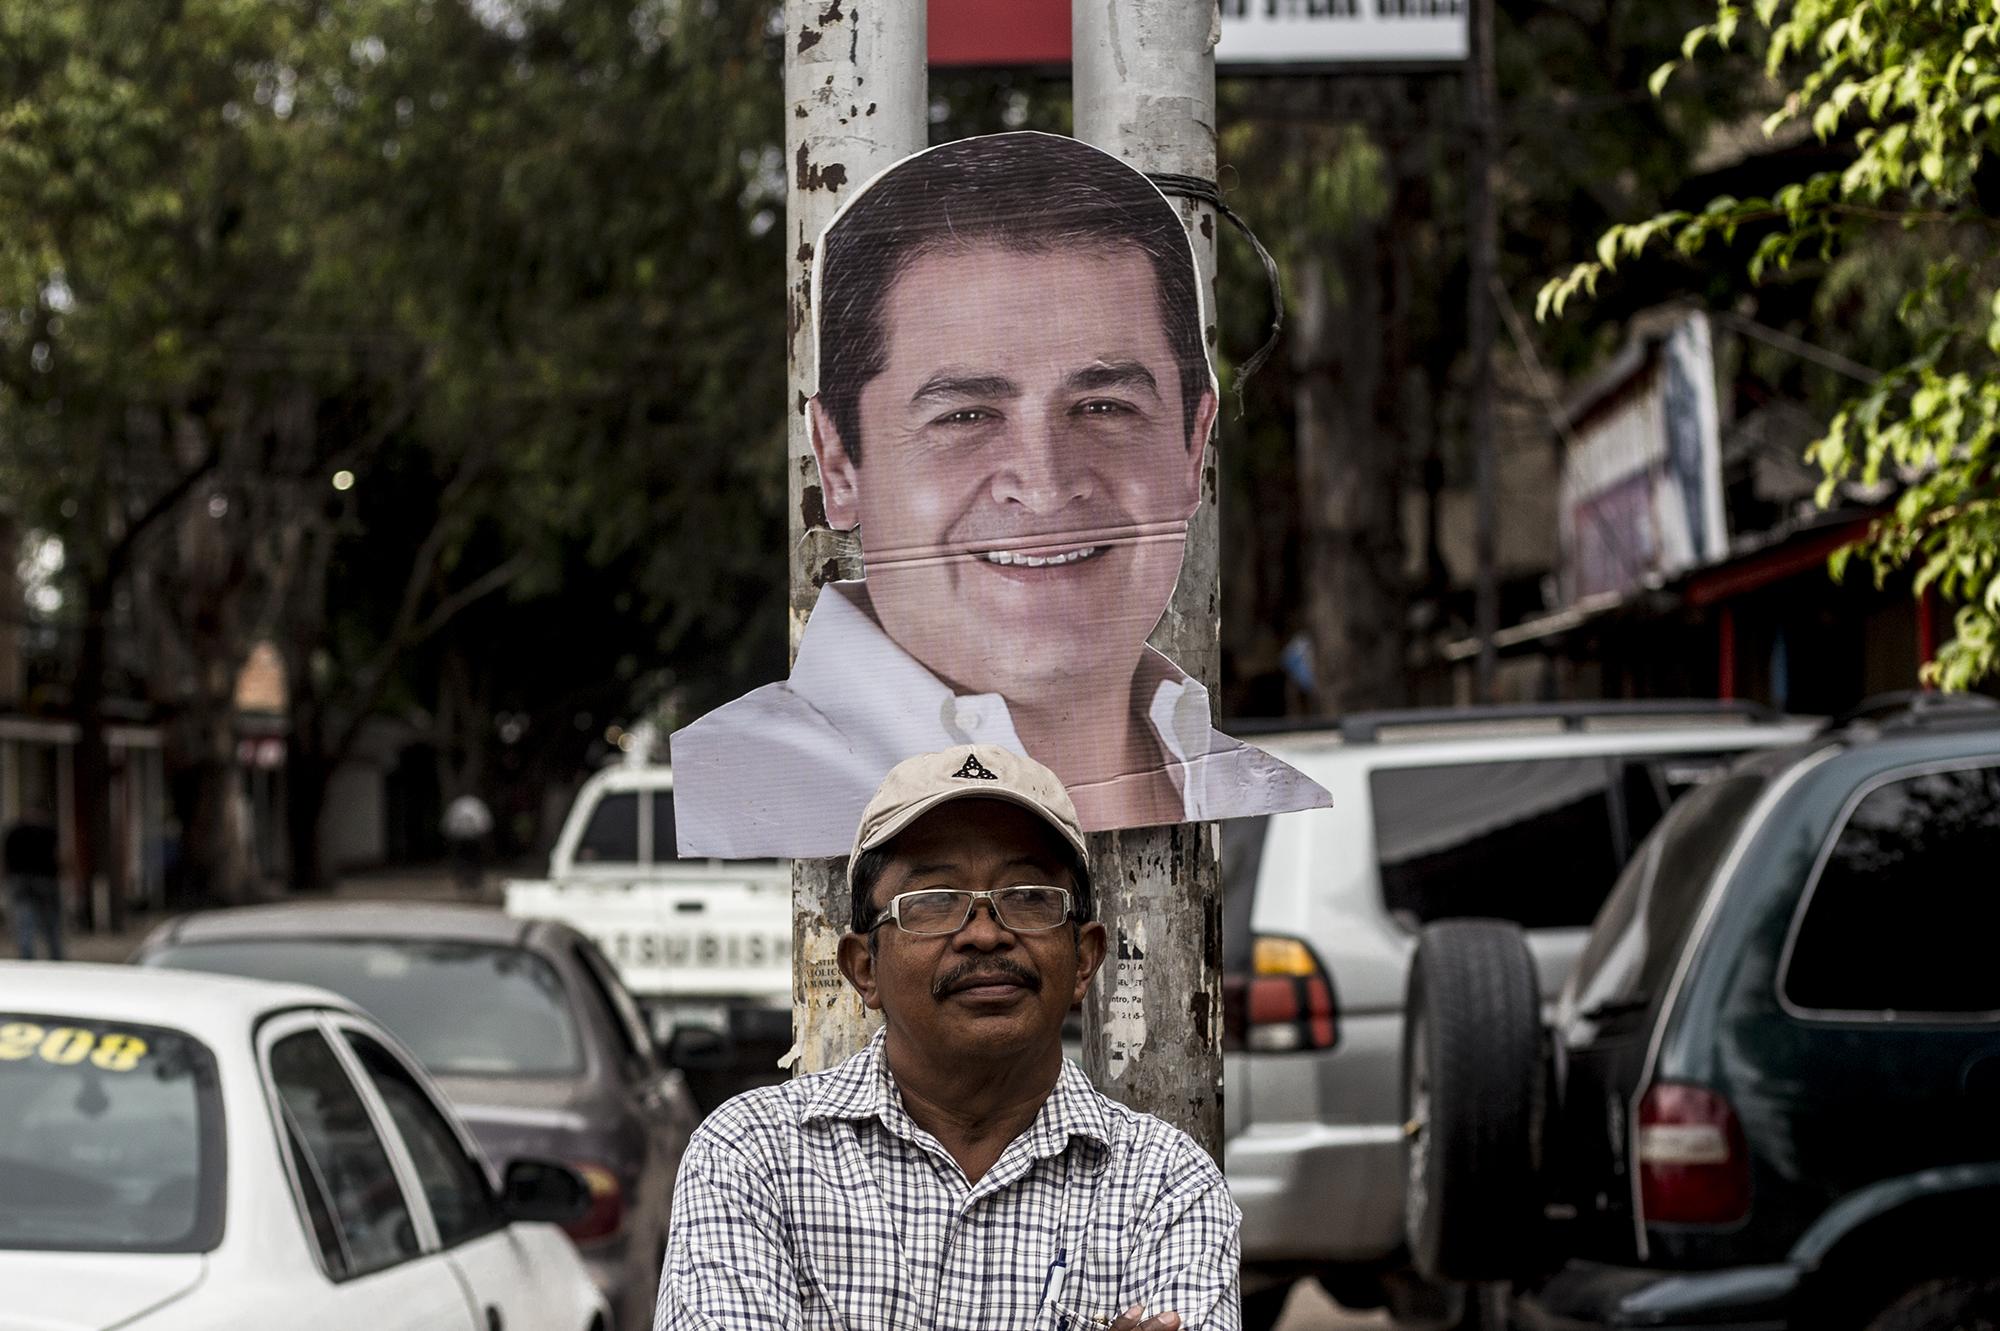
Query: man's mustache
{"type": "Point", "coordinates": [988, 970]}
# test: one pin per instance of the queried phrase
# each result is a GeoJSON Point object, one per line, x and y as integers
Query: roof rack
{"type": "Point", "coordinates": [1911, 709]}
{"type": "Point", "coordinates": [1367, 727]}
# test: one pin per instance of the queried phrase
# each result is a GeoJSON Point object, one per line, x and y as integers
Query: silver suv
{"type": "Point", "coordinates": [1518, 813]}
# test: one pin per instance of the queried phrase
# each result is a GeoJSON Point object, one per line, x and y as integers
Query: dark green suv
{"type": "Point", "coordinates": [1769, 1096]}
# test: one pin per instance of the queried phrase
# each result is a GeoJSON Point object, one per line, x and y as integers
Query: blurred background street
{"type": "Point", "coordinates": [405, 419]}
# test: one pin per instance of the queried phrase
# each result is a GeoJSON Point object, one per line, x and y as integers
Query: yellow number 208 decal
{"type": "Point", "coordinates": [112, 1051]}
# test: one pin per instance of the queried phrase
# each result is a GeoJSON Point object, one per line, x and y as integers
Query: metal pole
{"type": "Point", "coordinates": [1144, 90]}
{"type": "Point", "coordinates": [1482, 254]}
{"type": "Point", "coordinates": [857, 94]}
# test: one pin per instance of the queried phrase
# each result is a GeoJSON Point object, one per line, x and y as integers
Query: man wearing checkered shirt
{"type": "Point", "coordinates": [958, 1174]}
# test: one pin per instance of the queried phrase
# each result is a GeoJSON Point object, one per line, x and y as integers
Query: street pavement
{"type": "Point", "coordinates": [1309, 1309]}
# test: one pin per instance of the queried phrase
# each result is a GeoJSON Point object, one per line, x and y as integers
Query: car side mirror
{"type": "Point", "coordinates": [696, 1049]}
{"type": "Point", "coordinates": [545, 1191]}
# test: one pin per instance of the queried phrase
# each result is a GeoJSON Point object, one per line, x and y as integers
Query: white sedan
{"type": "Point", "coordinates": [189, 1151]}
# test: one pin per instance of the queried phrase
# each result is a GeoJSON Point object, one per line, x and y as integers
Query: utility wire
{"type": "Point", "coordinates": [1798, 346]}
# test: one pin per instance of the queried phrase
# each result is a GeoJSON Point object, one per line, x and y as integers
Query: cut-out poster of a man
{"type": "Point", "coordinates": [1014, 402]}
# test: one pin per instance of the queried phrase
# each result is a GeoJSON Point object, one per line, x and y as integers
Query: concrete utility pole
{"type": "Point", "coordinates": [857, 91]}
{"type": "Point", "coordinates": [1152, 1036]}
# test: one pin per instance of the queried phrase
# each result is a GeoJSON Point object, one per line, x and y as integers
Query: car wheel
{"type": "Point", "coordinates": [1471, 1083]}
{"type": "Point", "coordinates": [1953, 1304]}
{"type": "Point", "coordinates": [1263, 1308]}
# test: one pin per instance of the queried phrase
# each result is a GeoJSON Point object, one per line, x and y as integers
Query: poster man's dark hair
{"type": "Point", "coordinates": [1033, 193]}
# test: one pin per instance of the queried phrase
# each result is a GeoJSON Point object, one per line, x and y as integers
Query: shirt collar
{"type": "Point", "coordinates": [862, 1087]}
{"type": "Point", "coordinates": [867, 685]}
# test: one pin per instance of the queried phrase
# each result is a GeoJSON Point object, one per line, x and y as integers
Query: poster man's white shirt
{"type": "Point", "coordinates": [787, 769]}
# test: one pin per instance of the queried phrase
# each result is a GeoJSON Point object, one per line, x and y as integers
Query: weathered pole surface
{"type": "Point", "coordinates": [1145, 91]}
{"type": "Point", "coordinates": [856, 91]}
{"type": "Point", "coordinates": [1482, 258]}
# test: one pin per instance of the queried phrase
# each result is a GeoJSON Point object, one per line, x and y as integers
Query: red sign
{"type": "Point", "coordinates": [972, 33]}
{"type": "Point", "coordinates": [1258, 36]}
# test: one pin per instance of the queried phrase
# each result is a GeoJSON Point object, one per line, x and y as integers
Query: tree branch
{"type": "Point", "coordinates": [376, 674]}
{"type": "Point", "coordinates": [163, 503]}
{"type": "Point", "coordinates": [478, 589]}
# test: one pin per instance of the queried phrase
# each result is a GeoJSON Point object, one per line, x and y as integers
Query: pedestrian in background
{"type": "Point", "coordinates": [467, 824]}
{"type": "Point", "coordinates": [34, 885]}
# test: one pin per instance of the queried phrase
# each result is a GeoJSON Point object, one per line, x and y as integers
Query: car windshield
{"type": "Point", "coordinates": [113, 1139]}
{"type": "Point", "coordinates": [464, 1009]}
{"type": "Point", "coordinates": [1645, 921]}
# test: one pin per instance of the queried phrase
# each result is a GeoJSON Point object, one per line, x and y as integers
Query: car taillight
{"type": "Point", "coordinates": [606, 1215]}
{"type": "Point", "coordinates": [1284, 1002]}
{"type": "Point", "coordinates": [1693, 1166]}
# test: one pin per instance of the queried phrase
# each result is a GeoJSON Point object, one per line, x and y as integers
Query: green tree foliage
{"type": "Point", "coordinates": [1357, 184]}
{"type": "Point", "coordinates": [159, 392]}
{"type": "Point", "coordinates": [578, 206]}
{"type": "Point", "coordinates": [511, 271]}
{"type": "Point", "coordinates": [1915, 89]}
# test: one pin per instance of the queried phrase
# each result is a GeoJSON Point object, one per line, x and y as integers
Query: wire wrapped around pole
{"type": "Point", "coordinates": [1205, 191]}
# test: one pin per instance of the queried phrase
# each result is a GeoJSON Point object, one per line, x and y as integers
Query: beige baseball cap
{"type": "Point", "coordinates": [917, 785]}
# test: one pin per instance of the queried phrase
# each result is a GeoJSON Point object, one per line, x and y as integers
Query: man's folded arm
{"type": "Point", "coordinates": [729, 1264]}
{"type": "Point", "coordinates": [1189, 1253]}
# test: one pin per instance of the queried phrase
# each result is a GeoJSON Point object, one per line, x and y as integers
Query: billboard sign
{"type": "Point", "coordinates": [1642, 484]}
{"type": "Point", "coordinates": [1276, 35]}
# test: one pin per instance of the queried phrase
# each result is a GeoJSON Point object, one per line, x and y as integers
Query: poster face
{"type": "Point", "coordinates": [1014, 402]}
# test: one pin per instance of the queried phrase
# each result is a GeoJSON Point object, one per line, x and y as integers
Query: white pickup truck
{"type": "Point", "coordinates": [700, 943]}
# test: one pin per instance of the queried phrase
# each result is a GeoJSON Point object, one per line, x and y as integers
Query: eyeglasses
{"type": "Point", "coordinates": [945, 910]}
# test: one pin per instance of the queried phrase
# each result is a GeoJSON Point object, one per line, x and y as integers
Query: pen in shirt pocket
{"type": "Point", "coordinates": [1065, 1319]}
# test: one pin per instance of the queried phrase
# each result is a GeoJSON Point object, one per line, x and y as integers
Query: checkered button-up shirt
{"type": "Point", "coordinates": [820, 1205]}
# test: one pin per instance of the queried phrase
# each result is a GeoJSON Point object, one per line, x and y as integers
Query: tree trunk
{"type": "Point", "coordinates": [1350, 476]}
{"type": "Point", "coordinates": [216, 872]}
{"type": "Point", "coordinates": [215, 842]}
{"type": "Point", "coordinates": [307, 776]}
{"type": "Point", "coordinates": [210, 584]}
{"type": "Point", "coordinates": [1482, 261]}
{"type": "Point", "coordinates": [95, 859]}
{"type": "Point", "coordinates": [11, 617]}
{"type": "Point", "coordinates": [308, 766]}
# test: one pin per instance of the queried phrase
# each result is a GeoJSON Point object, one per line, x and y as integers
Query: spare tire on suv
{"type": "Point", "coordinates": [1472, 1092]}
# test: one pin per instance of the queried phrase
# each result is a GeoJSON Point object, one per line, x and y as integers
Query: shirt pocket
{"type": "Point", "coordinates": [1094, 1293]}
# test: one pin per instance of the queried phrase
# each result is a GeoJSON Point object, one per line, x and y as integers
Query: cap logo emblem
{"type": "Point", "coordinates": [974, 770]}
